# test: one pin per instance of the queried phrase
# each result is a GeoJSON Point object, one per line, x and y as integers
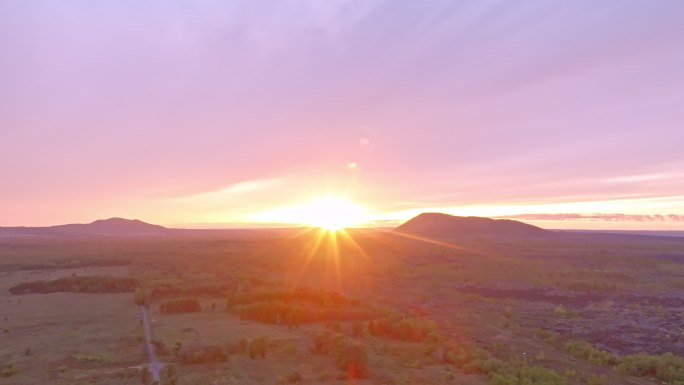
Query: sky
{"type": "Point", "coordinates": [217, 113]}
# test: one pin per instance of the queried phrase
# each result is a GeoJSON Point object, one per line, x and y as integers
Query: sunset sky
{"type": "Point", "coordinates": [565, 114]}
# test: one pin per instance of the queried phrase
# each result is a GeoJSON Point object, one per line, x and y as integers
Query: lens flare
{"type": "Point", "coordinates": [330, 213]}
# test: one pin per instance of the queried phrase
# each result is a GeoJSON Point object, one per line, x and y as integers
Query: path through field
{"type": "Point", "coordinates": [155, 365]}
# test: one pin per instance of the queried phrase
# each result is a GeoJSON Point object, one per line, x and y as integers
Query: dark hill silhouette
{"type": "Point", "coordinates": [112, 226]}
{"type": "Point", "coordinates": [437, 225]}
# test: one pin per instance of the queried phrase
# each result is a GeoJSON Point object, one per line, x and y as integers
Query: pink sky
{"type": "Point", "coordinates": [188, 113]}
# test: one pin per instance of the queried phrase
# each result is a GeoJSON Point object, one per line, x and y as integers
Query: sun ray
{"type": "Point", "coordinates": [327, 245]}
{"type": "Point", "coordinates": [350, 240]}
{"type": "Point", "coordinates": [440, 243]}
{"type": "Point", "coordinates": [332, 236]}
{"type": "Point", "coordinates": [309, 255]}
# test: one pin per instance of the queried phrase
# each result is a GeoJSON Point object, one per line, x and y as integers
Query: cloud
{"type": "Point", "coordinates": [615, 217]}
{"type": "Point", "coordinates": [643, 178]}
{"type": "Point", "coordinates": [231, 191]}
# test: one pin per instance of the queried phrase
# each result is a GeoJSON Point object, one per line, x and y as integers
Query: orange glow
{"type": "Point", "coordinates": [331, 213]}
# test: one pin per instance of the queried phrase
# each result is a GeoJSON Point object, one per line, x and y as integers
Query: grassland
{"type": "Point", "coordinates": [569, 309]}
{"type": "Point", "coordinates": [67, 338]}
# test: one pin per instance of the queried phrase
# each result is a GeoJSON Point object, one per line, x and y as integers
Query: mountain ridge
{"type": "Point", "coordinates": [445, 225]}
{"type": "Point", "coordinates": [110, 226]}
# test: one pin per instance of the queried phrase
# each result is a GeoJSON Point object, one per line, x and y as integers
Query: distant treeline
{"type": "Point", "coordinates": [190, 290]}
{"type": "Point", "coordinates": [187, 305]}
{"type": "Point", "coordinates": [66, 264]}
{"type": "Point", "coordinates": [318, 298]}
{"type": "Point", "coordinates": [293, 308]}
{"type": "Point", "coordinates": [197, 354]}
{"type": "Point", "coordinates": [291, 314]}
{"type": "Point", "coordinates": [404, 328]}
{"type": "Point", "coordinates": [78, 284]}
{"type": "Point", "coordinates": [202, 354]}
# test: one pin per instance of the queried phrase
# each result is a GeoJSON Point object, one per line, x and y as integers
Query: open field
{"type": "Point", "coordinates": [67, 338]}
{"type": "Point", "coordinates": [566, 309]}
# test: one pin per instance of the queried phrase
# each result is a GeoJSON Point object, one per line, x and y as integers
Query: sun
{"type": "Point", "coordinates": [330, 213]}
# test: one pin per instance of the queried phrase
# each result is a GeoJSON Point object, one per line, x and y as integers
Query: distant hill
{"type": "Point", "coordinates": [436, 225]}
{"type": "Point", "coordinates": [112, 226]}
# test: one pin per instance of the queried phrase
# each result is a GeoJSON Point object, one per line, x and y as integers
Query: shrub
{"type": "Point", "coordinates": [560, 311]}
{"type": "Point", "coordinates": [177, 348]}
{"type": "Point", "coordinates": [141, 297]}
{"type": "Point", "coordinates": [666, 367]}
{"type": "Point", "coordinates": [326, 341]}
{"type": "Point", "coordinates": [670, 368]}
{"type": "Point", "coordinates": [202, 354]}
{"type": "Point", "coordinates": [91, 359]}
{"type": "Point", "coordinates": [539, 375]}
{"type": "Point", "coordinates": [543, 334]}
{"type": "Point", "coordinates": [493, 366]}
{"type": "Point", "coordinates": [189, 305]}
{"type": "Point", "coordinates": [640, 365]}
{"type": "Point", "coordinates": [474, 361]}
{"type": "Point", "coordinates": [350, 356]}
{"type": "Point", "coordinates": [8, 371]}
{"type": "Point", "coordinates": [404, 329]}
{"type": "Point", "coordinates": [465, 356]}
{"type": "Point", "coordinates": [588, 352]}
{"type": "Point", "coordinates": [526, 375]}
{"type": "Point", "coordinates": [160, 347]}
{"type": "Point", "coordinates": [294, 378]}
{"type": "Point", "coordinates": [169, 375]}
{"type": "Point", "coordinates": [472, 367]}
{"type": "Point", "coordinates": [258, 347]}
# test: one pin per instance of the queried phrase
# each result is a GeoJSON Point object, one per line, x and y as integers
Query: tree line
{"type": "Point", "coordinates": [295, 314]}
{"type": "Point", "coordinates": [71, 263]}
{"type": "Point", "coordinates": [318, 298]}
{"type": "Point", "coordinates": [183, 305]}
{"type": "Point", "coordinates": [199, 290]}
{"type": "Point", "coordinates": [404, 328]}
{"type": "Point", "coordinates": [78, 284]}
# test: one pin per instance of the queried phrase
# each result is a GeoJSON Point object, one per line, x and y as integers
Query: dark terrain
{"type": "Point", "coordinates": [580, 305]}
{"type": "Point", "coordinates": [436, 225]}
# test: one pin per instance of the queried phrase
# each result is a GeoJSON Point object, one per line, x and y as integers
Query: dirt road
{"type": "Point", "coordinates": [155, 366]}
